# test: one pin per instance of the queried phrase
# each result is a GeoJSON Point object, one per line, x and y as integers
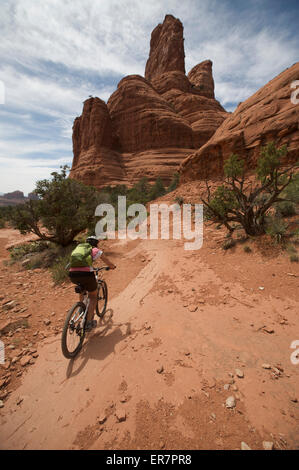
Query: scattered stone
{"type": "Point", "coordinates": [226, 387]}
{"type": "Point", "coordinates": [192, 308]}
{"type": "Point", "coordinates": [102, 419]}
{"type": "Point", "coordinates": [261, 288]}
{"type": "Point", "coordinates": [19, 400]}
{"type": "Point", "coordinates": [268, 445]}
{"type": "Point", "coordinates": [160, 369]}
{"type": "Point", "coordinates": [235, 388]}
{"type": "Point", "coordinates": [47, 322]}
{"type": "Point", "coordinates": [294, 400]}
{"type": "Point", "coordinates": [266, 366]}
{"type": "Point", "coordinates": [269, 330]}
{"type": "Point", "coordinates": [25, 360]}
{"type": "Point", "coordinates": [1, 404]}
{"type": "Point", "coordinates": [25, 262]}
{"type": "Point", "coordinates": [230, 402]}
{"type": "Point", "coordinates": [162, 444]}
{"type": "Point", "coordinates": [9, 305]}
{"type": "Point", "coordinates": [213, 416]}
{"type": "Point", "coordinates": [239, 373]}
{"type": "Point", "coordinates": [120, 415]}
{"type": "Point", "coordinates": [170, 291]}
{"type": "Point", "coordinates": [245, 446]}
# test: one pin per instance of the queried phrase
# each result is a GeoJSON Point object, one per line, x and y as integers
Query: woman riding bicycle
{"type": "Point", "coordinates": [84, 276]}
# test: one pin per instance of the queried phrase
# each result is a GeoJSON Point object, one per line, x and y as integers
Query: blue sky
{"type": "Point", "coordinates": [55, 53]}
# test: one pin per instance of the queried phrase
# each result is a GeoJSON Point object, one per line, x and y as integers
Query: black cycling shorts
{"type": "Point", "coordinates": [85, 279]}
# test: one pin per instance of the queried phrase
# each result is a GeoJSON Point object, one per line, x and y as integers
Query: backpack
{"type": "Point", "coordinates": [81, 256]}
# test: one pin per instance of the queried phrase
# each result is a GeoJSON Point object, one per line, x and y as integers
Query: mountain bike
{"type": "Point", "coordinates": [74, 331]}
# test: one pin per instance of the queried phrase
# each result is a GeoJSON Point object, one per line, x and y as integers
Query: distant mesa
{"type": "Point", "coordinates": [154, 125]}
{"type": "Point", "coordinates": [16, 197]}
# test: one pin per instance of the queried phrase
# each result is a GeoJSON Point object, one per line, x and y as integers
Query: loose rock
{"type": "Point", "coordinates": [268, 445]}
{"type": "Point", "coordinates": [230, 402]}
{"type": "Point", "coordinates": [245, 446]}
{"type": "Point", "coordinates": [239, 373]}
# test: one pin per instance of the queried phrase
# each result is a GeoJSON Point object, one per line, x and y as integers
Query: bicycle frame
{"type": "Point", "coordinates": [86, 299]}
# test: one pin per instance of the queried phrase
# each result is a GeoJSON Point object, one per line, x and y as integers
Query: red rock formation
{"type": "Point", "coordinates": [144, 120]}
{"type": "Point", "coordinates": [201, 78]}
{"type": "Point", "coordinates": [96, 160]}
{"type": "Point", "coordinates": [268, 115]}
{"type": "Point", "coordinates": [166, 49]}
{"type": "Point", "coordinates": [150, 124]}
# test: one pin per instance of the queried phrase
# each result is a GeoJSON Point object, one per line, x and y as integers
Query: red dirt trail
{"type": "Point", "coordinates": [158, 369]}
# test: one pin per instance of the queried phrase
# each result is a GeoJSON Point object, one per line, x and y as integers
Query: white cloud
{"type": "Point", "coordinates": [54, 54]}
{"type": "Point", "coordinates": [23, 173]}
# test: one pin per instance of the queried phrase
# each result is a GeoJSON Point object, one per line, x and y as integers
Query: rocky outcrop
{"type": "Point", "coordinates": [166, 49]}
{"type": "Point", "coordinates": [268, 115]}
{"type": "Point", "coordinates": [201, 79]}
{"type": "Point", "coordinates": [150, 124]}
{"type": "Point", "coordinates": [144, 119]}
{"type": "Point", "coordinates": [15, 195]}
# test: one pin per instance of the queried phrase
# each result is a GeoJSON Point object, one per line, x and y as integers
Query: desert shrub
{"type": "Point", "coordinates": [239, 201]}
{"type": "Point", "coordinates": [157, 190]}
{"type": "Point", "coordinates": [174, 182]}
{"type": "Point", "coordinates": [230, 243]}
{"type": "Point", "coordinates": [59, 268]}
{"type": "Point", "coordinates": [294, 258]}
{"type": "Point", "coordinates": [285, 209]}
{"type": "Point", "coordinates": [247, 249]}
{"type": "Point", "coordinates": [64, 208]}
{"type": "Point", "coordinates": [292, 190]}
{"type": "Point", "coordinates": [19, 252]}
{"type": "Point", "coordinates": [277, 228]}
{"type": "Point", "coordinates": [2, 223]}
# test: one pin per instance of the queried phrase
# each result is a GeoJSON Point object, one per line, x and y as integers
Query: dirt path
{"type": "Point", "coordinates": [157, 372]}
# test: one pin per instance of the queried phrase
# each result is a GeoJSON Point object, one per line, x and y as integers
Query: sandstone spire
{"type": "Point", "coordinates": [166, 49]}
{"type": "Point", "coordinates": [201, 77]}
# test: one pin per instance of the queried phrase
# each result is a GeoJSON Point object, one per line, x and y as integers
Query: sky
{"type": "Point", "coordinates": [54, 54]}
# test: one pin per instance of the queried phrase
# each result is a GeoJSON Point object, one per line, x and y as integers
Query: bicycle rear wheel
{"type": "Point", "coordinates": [102, 299]}
{"type": "Point", "coordinates": [73, 331]}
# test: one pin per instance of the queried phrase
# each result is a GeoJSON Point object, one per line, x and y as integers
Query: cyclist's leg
{"type": "Point", "coordinates": [92, 304]}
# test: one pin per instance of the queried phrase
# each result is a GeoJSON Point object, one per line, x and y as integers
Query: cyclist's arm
{"type": "Point", "coordinates": [107, 262]}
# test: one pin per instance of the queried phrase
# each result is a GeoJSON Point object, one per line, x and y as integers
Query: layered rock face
{"type": "Point", "coordinates": [268, 115]}
{"type": "Point", "coordinates": [166, 49]}
{"type": "Point", "coordinates": [150, 124]}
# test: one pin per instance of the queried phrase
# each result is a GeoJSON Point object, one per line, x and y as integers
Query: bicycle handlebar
{"type": "Point", "coordinates": [100, 269]}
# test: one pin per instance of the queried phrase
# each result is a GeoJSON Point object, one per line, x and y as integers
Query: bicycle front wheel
{"type": "Point", "coordinates": [102, 299]}
{"type": "Point", "coordinates": [73, 331]}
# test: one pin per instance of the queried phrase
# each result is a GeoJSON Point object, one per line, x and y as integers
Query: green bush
{"type": "Point", "coordinates": [174, 182]}
{"type": "Point", "coordinates": [64, 208]}
{"type": "Point", "coordinates": [19, 252]}
{"type": "Point", "coordinates": [59, 269]}
{"type": "Point", "coordinates": [285, 209]}
{"type": "Point", "coordinates": [276, 228]}
{"type": "Point", "coordinates": [229, 244]}
{"type": "Point", "coordinates": [238, 201]}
